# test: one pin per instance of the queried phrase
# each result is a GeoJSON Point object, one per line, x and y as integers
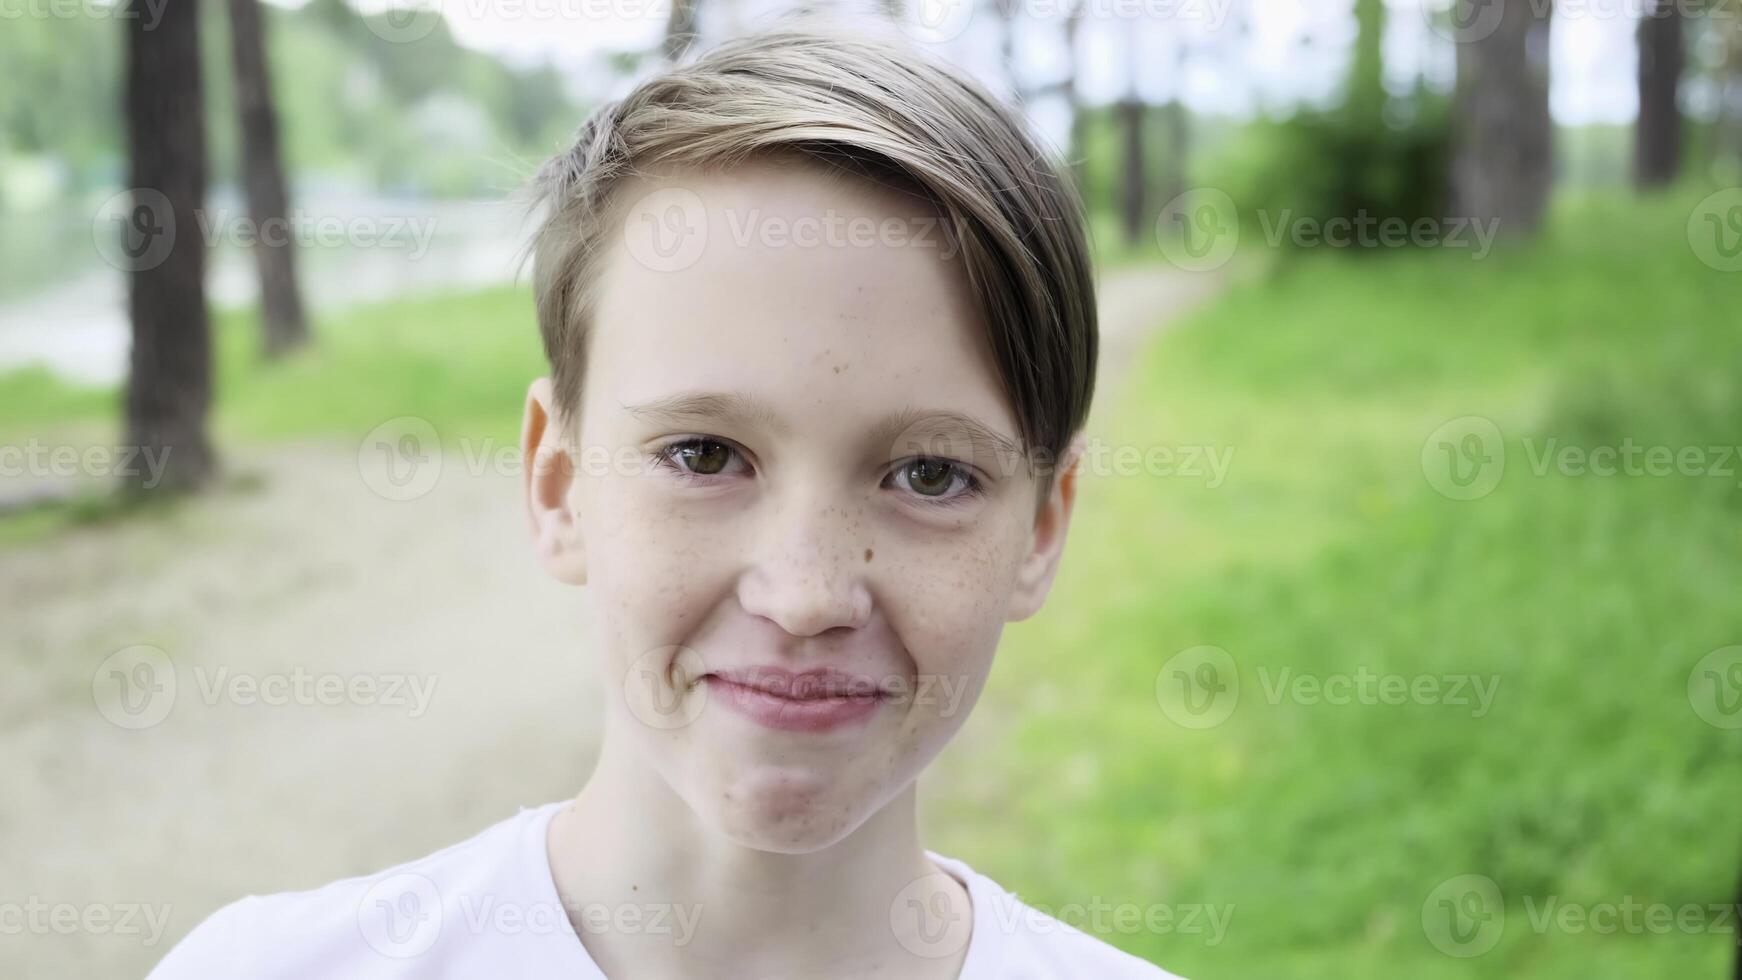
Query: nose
{"type": "Point", "coordinates": [806, 568]}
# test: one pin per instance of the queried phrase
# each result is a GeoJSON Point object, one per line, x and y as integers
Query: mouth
{"type": "Point", "coordinates": [816, 700]}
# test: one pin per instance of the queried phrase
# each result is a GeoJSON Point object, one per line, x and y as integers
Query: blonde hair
{"type": "Point", "coordinates": [870, 106]}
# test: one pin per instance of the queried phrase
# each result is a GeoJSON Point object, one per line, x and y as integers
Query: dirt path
{"type": "Point", "coordinates": [479, 703]}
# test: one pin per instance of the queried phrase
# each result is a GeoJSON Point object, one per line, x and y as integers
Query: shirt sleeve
{"type": "Point", "coordinates": [216, 948]}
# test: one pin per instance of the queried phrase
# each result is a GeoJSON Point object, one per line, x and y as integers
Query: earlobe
{"type": "Point", "coordinates": [1040, 566]}
{"type": "Point", "coordinates": [548, 474]}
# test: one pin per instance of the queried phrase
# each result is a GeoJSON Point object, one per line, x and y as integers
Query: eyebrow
{"type": "Point", "coordinates": [734, 408]}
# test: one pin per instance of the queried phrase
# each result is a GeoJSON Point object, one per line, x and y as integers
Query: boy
{"type": "Point", "coordinates": [822, 339]}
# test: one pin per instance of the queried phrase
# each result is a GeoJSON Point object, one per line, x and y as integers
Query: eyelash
{"type": "Point", "coordinates": [666, 457]}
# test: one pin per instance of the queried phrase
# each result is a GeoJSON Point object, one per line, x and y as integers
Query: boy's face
{"type": "Point", "coordinates": [820, 505]}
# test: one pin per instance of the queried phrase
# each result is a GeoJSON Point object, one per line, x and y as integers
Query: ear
{"type": "Point", "coordinates": [548, 473]}
{"type": "Point", "coordinates": [1034, 578]}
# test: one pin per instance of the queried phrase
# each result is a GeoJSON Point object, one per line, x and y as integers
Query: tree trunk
{"type": "Point", "coordinates": [1133, 168]}
{"type": "Point", "coordinates": [263, 169]}
{"type": "Point", "coordinates": [1074, 98]}
{"type": "Point", "coordinates": [1657, 136]}
{"type": "Point", "coordinates": [1179, 134]}
{"type": "Point", "coordinates": [680, 29]}
{"type": "Point", "coordinates": [1503, 166]}
{"type": "Point", "coordinates": [1366, 96]}
{"type": "Point", "coordinates": [1177, 120]}
{"type": "Point", "coordinates": [1133, 203]}
{"type": "Point", "coordinates": [169, 388]}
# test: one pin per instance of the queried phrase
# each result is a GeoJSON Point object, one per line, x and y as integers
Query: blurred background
{"type": "Point", "coordinates": [1400, 631]}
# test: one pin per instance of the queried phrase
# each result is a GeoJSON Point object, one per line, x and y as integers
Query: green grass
{"type": "Point", "coordinates": [1325, 552]}
{"type": "Point", "coordinates": [461, 361]}
{"type": "Point", "coordinates": [1326, 827]}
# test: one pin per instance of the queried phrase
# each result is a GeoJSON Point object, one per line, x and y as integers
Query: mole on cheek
{"type": "Point", "coordinates": [867, 554]}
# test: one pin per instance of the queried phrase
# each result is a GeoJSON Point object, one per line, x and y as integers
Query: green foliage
{"type": "Point", "coordinates": [425, 116]}
{"type": "Point", "coordinates": [1327, 552]}
{"type": "Point", "coordinates": [61, 91]}
{"type": "Point", "coordinates": [1344, 163]}
{"type": "Point", "coordinates": [462, 361]}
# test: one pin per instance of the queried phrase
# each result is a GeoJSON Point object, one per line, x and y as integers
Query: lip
{"type": "Point", "coordinates": [815, 700]}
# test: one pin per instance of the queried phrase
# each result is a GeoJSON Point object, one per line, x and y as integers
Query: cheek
{"type": "Point", "coordinates": [652, 567]}
{"type": "Point", "coordinates": [946, 598]}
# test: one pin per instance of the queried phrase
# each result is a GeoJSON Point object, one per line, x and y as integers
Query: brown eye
{"type": "Point", "coordinates": [930, 477]}
{"type": "Point", "coordinates": [704, 457]}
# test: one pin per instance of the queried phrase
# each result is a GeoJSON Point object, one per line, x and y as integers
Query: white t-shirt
{"type": "Point", "coordinates": [488, 907]}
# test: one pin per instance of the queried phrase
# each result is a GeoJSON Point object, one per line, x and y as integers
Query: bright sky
{"type": "Point", "coordinates": [1297, 49]}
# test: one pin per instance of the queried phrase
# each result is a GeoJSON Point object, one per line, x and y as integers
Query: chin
{"type": "Point", "coordinates": [789, 810]}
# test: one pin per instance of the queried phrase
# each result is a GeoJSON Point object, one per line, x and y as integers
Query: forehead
{"type": "Point", "coordinates": [822, 295]}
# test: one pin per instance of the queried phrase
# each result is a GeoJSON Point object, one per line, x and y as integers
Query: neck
{"type": "Point", "coordinates": [630, 850]}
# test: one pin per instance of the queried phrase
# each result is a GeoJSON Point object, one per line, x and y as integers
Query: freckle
{"type": "Point", "coordinates": [867, 554]}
